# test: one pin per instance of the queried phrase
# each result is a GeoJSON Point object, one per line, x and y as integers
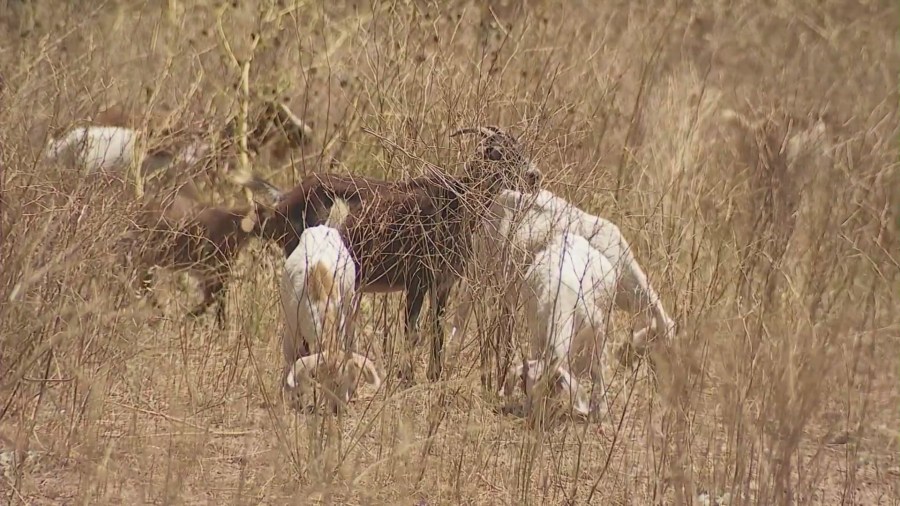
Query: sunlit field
{"type": "Point", "coordinates": [748, 151]}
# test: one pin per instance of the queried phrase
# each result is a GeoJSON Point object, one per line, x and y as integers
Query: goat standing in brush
{"type": "Point", "coordinates": [413, 235]}
{"type": "Point", "coordinates": [318, 288]}
{"type": "Point", "coordinates": [179, 233]}
{"type": "Point", "coordinates": [569, 292]}
{"type": "Point", "coordinates": [115, 147]}
{"type": "Point", "coordinates": [527, 224]}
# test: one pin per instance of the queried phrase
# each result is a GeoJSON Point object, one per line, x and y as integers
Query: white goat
{"type": "Point", "coordinates": [318, 297]}
{"type": "Point", "coordinates": [96, 148]}
{"type": "Point", "coordinates": [569, 293]}
{"type": "Point", "coordinates": [531, 221]}
{"type": "Point", "coordinates": [113, 148]}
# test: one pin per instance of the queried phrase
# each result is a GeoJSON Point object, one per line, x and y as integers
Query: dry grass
{"type": "Point", "coordinates": [782, 272]}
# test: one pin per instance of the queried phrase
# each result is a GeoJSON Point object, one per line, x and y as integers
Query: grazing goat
{"type": "Point", "coordinates": [317, 294]}
{"type": "Point", "coordinates": [414, 235]}
{"type": "Point", "coordinates": [569, 293]}
{"type": "Point", "coordinates": [97, 148]}
{"type": "Point", "coordinates": [528, 223]}
{"type": "Point", "coordinates": [179, 233]}
{"type": "Point", "coordinates": [114, 147]}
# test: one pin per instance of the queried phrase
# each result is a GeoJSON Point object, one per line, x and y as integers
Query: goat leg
{"type": "Point", "coordinates": [414, 300]}
{"type": "Point", "coordinates": [213, 292]}
{"type": "Point", "coordinates": [144, 282]}
{"type": "Point", "coordinates": [488, 350]}
{"type": "Point", "coordinates": [598, 400]}
{"type": "Point", "coordinates": [415, 296]}
{"type": "Point", "coordinates": [501, 342]}
{"type": "Point", "coordinates": [485, 367]}
{"type": "Point", "coordinates": [220, 305]}
{"type": "Point", "coordinates": [440, 293]}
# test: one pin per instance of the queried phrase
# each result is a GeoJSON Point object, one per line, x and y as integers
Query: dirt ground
{"type": "Point", "coordinates": [748, 152]}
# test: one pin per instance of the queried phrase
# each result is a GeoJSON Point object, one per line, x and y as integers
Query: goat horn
{"type": "Point", "coordinates": [284, 114]}
{"type": "Point", "coordinates": [484, 131]}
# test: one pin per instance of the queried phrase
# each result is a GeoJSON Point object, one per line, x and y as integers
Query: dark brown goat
{"type": "Point", "coordinates": [180, 233]}
{"type": "Point", "coordinates": [413, 235]}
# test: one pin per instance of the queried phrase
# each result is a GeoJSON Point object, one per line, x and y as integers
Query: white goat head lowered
{"type": "Point", "coordinates": [522, 224]}
{"type": "Point", "coordinates": [318, 294]}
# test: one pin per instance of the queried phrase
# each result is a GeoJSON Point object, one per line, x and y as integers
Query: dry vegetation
{"type": "Point", "coordinates": [782, 271]}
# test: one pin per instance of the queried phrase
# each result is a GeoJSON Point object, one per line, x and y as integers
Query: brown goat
{"type": "Point", "coordinates": [180, 233]}
{"type": "Point", "coordinates": [413, 235]}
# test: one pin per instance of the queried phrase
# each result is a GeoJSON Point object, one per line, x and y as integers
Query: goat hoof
{"type": "Point", "coordinates": [294, 400]}
{"type": "Point", "coordinates": [406, 378]}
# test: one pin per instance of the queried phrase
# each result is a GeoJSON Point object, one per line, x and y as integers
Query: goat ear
{"type": "Point", "coordinates": [304, 367]}
{"type": "Point", "coordinates": [569, 385]}
{"type": "Point", "coordinates": [257, 183]}
{"type": "Point", "coordinates": [533, 179]}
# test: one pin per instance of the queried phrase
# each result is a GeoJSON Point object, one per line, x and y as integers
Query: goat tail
{"type": "Point", "coordinates": [322, 293]}
{"type": "Point", "coordinates": [485, 131]}
{"type": "Point", "coordinates": [340, 209]}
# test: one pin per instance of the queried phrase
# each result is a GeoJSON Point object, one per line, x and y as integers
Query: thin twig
{"type": "Point", "coordinates": [400, 148]}
{"type": "Point", "coordinates": [185, 422]}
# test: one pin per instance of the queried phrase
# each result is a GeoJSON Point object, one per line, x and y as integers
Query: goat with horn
{"type": "Point", "coordinates": [413, 235]}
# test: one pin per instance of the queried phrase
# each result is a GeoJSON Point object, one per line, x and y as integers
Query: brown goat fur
{"type": "Point", "coordinates": [178, 232]}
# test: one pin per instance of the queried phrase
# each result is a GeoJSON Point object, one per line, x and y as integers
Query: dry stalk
{"type": "Point", "coordinates": [244, 69]}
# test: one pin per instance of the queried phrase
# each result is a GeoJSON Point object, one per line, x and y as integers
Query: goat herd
{"type": "Point", "coordinates": [346, 235]}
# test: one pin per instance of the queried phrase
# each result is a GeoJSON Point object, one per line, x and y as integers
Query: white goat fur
{"type": "Point", "coordinates": [317, 294]}
{"type": "Point", "coordinates": [569, 293]}
{"type": "Point", "coordinates": [96, 148]}
{"type": "Point", "coordinates": [103, 148]}
{"type": "Point", "coordinates": [113, 149]}
{"type": "Point", "coordinates": [531, 221]}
